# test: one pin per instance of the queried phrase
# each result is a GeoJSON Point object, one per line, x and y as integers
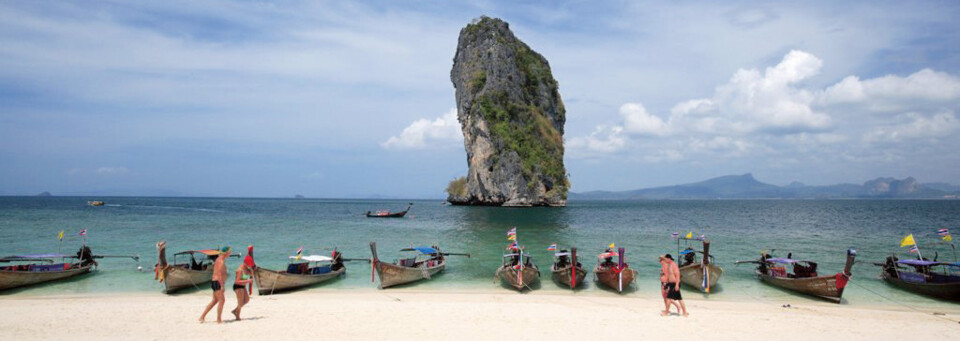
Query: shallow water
{"type": "Point", "coordinates": [739, 230]}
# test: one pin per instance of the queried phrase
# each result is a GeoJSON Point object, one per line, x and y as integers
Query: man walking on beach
{"type": "Point", "coordinates": [219, 278]}
{"type": "Point", "coordinates": [670, 276]}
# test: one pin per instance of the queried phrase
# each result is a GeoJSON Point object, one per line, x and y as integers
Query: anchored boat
{"type": "Point", "coordinates": [567, 269]}
{"type": "Point", "coordinates": [25, 270]}
{"type": "Point", "coordinates": [925, 277]}
{"type": "Point", "coordinates": [518, 269]}
{"type": "Point", "coordinates": [804, 278]}
{"type": "Point", "coordinates": [615, 275]}
{"type": "Point", "coordinates": [698, 269]}
{"type": "Point", "coordinates": [301, 272]}
{"type": "Point", "coordinates": [388, 214]}
{"type": "Point", "coordinates": [424, 264]}
{"type": "Point", "coordinates": [189, 269]}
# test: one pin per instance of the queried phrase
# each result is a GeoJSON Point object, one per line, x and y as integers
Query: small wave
{"type": "Point", "coordinates": [174, 208]}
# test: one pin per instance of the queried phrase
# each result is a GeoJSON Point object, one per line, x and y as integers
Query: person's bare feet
{"type": "Point", "coordinates": [664, 313]}
{"type": "Point", "coordinates": [686, 315]}
{"type": "Point", "coordinates": [234, 312]}
{"type": "Point", "coordinates": [201, 320]}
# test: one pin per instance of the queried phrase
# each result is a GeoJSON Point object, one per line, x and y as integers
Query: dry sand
{"type": "Point", "coordinates": [495, 315]}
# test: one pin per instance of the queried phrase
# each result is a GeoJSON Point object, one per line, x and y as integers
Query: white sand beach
{"type": "Point", "coordinates": [419, 315]}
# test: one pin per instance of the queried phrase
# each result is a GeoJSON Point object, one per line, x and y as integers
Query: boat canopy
{"type": "Point", "coordinates": [608, 255]}
{"type": "Point", "coordinates": [205, 252]}
{"type": "Point", "coordinates": [686, 252]}
{"type": "Point", "coordinates": [782, 260]}
{"type": "Point", "coordinates": [40, 255]}
{"type": "Point", "coordinates": [558, 254]}
{"type": "Point", "coordinates": [515, 254]}
{"type": "Point", "coordinates": [314, 258]}
{"type": "Point", "coordinates": [917, 262]}
{"type": "Point", "coordinates": [422, 249]}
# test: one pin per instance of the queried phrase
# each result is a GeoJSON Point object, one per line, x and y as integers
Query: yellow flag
{"type": "Point", "coordinates": [907, 241]}
{"type": "Point", "coordinates": [689, 235]}
{"type": "Point", "coordinates": [60, 236]}
{"type": "Point", "coordinates": [512, 237]}
{"type": "Point", "coordinates": [947, 238]}
{"type": "Point", "coordinates": [612, 246]}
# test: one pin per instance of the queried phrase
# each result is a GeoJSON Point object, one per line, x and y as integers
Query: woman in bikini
{"type": "Point", "coordinates": [243, 277]}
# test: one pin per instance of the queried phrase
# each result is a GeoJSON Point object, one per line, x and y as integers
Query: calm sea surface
{"type": "Point", "coordinates": [739, 230]}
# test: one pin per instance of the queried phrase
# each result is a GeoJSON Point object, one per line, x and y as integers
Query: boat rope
{"type": "Point", "coordinates": [903, 304]}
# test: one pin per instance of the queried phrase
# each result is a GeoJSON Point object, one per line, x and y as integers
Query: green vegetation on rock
{"type": "Point", "coordinates": [457, 188]}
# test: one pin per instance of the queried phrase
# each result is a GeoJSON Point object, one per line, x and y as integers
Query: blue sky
{"type": "Point", "coordinates": [338, 99]}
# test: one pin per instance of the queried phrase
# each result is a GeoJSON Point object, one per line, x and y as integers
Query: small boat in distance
{"type": "Point", "coordinates": [804, 278]}
{"type": "Point", "coordinates": [300, 273]}
{"type": "Point", "coordinates": [518, 269]}
{"type": "Point", "coordinates": [923, 279]}
{"type": "Point", "coordinates": [698, 271]}
{"type": "Point", "coordinates": [388, 214]}
{"type": "Point", "coordinates": [616, 276]}
{"type": "Point", "coordinates": [567, 269]}
{"type": "Point", "coordinates": [427, 262]}
{"type": "Point", "coordinates": [95, 203]}
{"type": "Point", "coordinates": [193, 268]}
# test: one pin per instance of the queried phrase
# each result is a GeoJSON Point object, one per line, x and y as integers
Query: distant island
{"type": "Point", "coordinates": [747, 187]}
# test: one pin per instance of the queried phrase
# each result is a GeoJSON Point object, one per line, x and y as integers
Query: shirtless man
{"type": "Point", "coordinates": [664, 279]}
{"type": "Point", "coordinates": [672, 286]}
{"type": "Point", "coordinates": [219, 278]}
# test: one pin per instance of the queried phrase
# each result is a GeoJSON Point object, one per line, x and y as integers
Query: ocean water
{"type": "Point", "coordinates": [819, 230]}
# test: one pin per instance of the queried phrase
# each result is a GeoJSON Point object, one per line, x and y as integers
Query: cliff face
{"type": "Point", "coordinates": [512, 119]}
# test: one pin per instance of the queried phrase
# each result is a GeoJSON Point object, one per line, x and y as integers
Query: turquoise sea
{"type": "Point", "coordinates": [819, 230]}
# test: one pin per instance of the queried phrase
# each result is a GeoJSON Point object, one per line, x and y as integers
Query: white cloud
{"type": "Point", "coordinates": [916, 126]}
{"type": "Point", "coordinates": [603, 139]}
{"type": "Point", "coordinates": [425, 133]}
{"type": "Point", "coordinates": [111, 170]}
{"type": "Point", "coordinates": [638, 121]}
{"type": "Point", "coordinates": [891, 92]}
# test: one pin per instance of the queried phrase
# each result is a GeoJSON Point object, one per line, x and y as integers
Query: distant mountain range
{"type": "Point", "coordinates": [747, 187]}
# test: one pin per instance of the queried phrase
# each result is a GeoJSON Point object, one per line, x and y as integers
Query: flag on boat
{"type": "Point", "coordinates": [907, 241]}
{"type": "Point", "coordinates": [512, 237]}
{"type": "Point", "coordinates": [676, 235]}
{"type": "Point", "coordinates": [512, 232]}
{"type": "Point", "coordinates": [689, 235]}
{"type": "Point", "coordinates": [513, 246]}
{"type": "Point", "coordinates": [702, 237]}
{"type": "Point", "coordinates": [945, 235]}
{"type": "Point", "coordinates": [83, 232]}
{"type": "Point", "coordinates": [914, 249]}
{"type": "Point", "coordinates": [60, 236]}
{"type": "Point", "coordinates": [299, 252]}
{"type": "Point", "coordinates": [611, 246]}
{"type": "Point", "coordinates": [552, 247]}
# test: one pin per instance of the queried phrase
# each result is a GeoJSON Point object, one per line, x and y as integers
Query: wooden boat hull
{"type": "Point", "coordinates": [271, 281]}
{"type": "Point", "coordinates": [824, 286]}
{"type": "Point", "coordinates": [613, 279]}
{"type": "Point", "coordinates": [949, 291]}
{"type": "Point", "coordinates": [16, 279]}
{"type": "Point", "coordinates": [529, 276]}
{"type": "Point", "coordinates": [391, 215]}
{"type": "Point", "coordinates": [563, 276]}
{"type": "Point", "coordinates": [692, 275]}
{"type": "Point", "coordinates": [177, 278]}
{"type": "Point", "coordinates": [392, 274]}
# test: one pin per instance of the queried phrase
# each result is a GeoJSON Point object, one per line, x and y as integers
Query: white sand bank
{"type": "Point", "coordinates": [497, 315]}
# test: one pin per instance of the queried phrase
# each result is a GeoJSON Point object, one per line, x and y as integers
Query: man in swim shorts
{"type": "Point", "coordinates": [219, 278]}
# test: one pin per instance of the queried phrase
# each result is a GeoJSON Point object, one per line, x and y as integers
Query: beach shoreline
{"type": "Point", "coordinates": [409, 314]}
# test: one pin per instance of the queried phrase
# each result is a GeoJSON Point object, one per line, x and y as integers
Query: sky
{"type": "Point", "coordinates": [340, 99]}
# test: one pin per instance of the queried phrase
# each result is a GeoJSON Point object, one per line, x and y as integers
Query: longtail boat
{"type": "Point", "coordinates": [518, 269]}
{"type": "Point", "coordinates": [300, 273]}
{"type": "Point", "coordinates": [189, 269]}
{"type": "Point", "coordinates": [388, 214]}
{"type": "Point", "coordinates": [424, 264]}
{"type": "Point", "coordinates": [804, 278]}
{"type": "Point", "coordinates": [699, 269]}
{"type": "Point", "coordinates": [40, 268]}
{"type": "Point", "coordinates": [924, 278]}
{"type": "Point", "coordinates": [567, 270]}
{"type": "Point", "coordinates": [616, 276]}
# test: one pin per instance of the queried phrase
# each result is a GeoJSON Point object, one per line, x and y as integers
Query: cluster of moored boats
{"type": "Point", "coordinates": [698, 269]}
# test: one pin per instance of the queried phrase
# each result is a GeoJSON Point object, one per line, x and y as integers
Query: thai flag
{"type": "Point", "coordinates": [914, 249]}
{"type": "Point", "coordinates": [513, 246]}
{"type": "Point", "coordinates": [943, 232]}
{"type": "Point", "coordinates": [83, 232]}
{"type": "Point", "coordinates": [299, 250]}
{"type": "Point", "coordinates": [675, 234]}
{"type": "Point", "coordinates": [512, 232]}
{"type": "Point", "coordinates": [552, 247]}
